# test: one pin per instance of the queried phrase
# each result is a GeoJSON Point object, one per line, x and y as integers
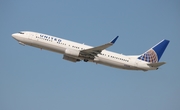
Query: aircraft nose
{"type": "Point", "coordinates": [15, 35]}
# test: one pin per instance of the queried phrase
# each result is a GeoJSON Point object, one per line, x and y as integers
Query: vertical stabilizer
{"type": "Point", "coordinates": [154, 54]}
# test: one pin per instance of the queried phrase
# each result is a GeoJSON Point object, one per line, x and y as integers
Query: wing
{"type": "Point", "coordinates": [92, 52]}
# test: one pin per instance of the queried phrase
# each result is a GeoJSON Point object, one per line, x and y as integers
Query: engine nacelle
{"type": "Point", "coordinates": [70, 58]}
{"type": "Point", "coordinates": [72, 52]}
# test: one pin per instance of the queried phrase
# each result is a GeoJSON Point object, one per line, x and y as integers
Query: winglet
{"type": "Point", "coordinates": [114, 40]}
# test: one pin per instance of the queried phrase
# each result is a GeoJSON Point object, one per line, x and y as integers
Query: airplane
{"type": "Point", "coordinates": [75, 52]}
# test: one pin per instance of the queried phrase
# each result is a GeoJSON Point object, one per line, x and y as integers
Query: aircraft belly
{"type": "Point", "coordinates": [116, 64]}
{"type": "Point", "coordinates": [110, 63]}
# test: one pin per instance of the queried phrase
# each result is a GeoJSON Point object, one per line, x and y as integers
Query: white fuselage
{"type": "Point", "coordinates": [60, 45]}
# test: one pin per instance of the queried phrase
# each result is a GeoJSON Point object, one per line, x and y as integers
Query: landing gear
{"type": "Point", "coordinates": [78, 60]}
{"type": "Point", "coordinates": [86, 60]}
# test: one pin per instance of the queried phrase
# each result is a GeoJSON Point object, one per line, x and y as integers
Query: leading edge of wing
{"type": "Point", "coordinates": [98, 49]}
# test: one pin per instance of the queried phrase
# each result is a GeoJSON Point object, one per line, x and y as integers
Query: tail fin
{"type": "Point", "coordinates": [154, 54]}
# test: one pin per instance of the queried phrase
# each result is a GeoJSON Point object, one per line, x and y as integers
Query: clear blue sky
{"type": "Point", "coordinates": [31, 79]}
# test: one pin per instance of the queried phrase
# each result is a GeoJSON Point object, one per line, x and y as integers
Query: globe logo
{"type": "Point", "coordinates": [149, 56]}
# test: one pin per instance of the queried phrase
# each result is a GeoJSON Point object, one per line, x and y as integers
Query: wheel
{"type": "Point", "coordinates": [78, 60]}
{"type": "Point", "coordinates": [85, 60]}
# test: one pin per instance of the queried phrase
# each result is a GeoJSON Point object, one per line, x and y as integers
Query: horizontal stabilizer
{"type": "Point", "coordinates": [156, 64]}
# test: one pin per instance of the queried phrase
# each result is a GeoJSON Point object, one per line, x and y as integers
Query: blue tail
{"type": "Point", "coordinates": [154, 54]}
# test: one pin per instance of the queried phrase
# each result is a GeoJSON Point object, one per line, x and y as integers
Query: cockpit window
{"type": "Point", "coordinates": [21, 33]}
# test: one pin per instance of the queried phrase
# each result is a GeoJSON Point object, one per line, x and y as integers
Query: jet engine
{"type": "Point", "coordinates": [72, 52]}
